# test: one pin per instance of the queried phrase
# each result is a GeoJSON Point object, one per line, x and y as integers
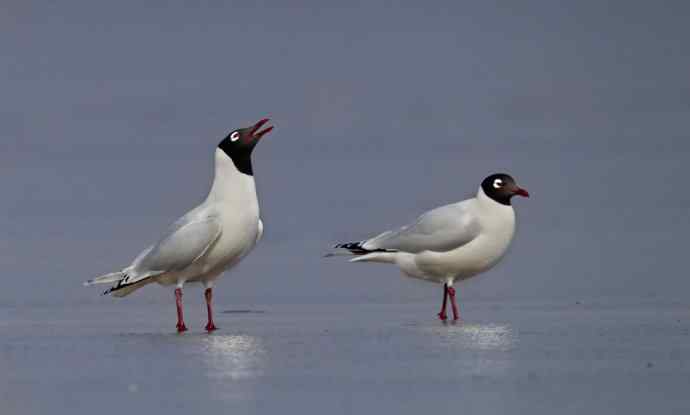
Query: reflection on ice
{"type": "Point", "coordinates": [489, 346]}
{"type": "Point", "coordinates": [233, 357]}
{"type": "Point", "coordinates": [477, 336]}
{"type": "Point", "coordinates": [489, 337]}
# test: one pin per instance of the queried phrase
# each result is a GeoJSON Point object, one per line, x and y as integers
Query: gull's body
{"type": "Point", "coordinates": [217, 234]}
{"type": "Point", "coordinates": [465, 239]}
{"type": "Point", "coordinates": [450, 243]}
{"type": "Point", "coordinates": [210, 238]}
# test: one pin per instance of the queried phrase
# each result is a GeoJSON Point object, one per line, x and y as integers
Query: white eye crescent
{"type": "Point", "coordinates": [498, 183]}
{"type": "Point", "coordinates": [235, 136]}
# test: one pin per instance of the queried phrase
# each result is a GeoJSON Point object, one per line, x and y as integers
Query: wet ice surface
{"type": "Point", "coordinates": [605, 357]}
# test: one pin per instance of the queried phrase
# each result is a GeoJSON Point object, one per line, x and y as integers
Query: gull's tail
{"type": "Point", "coordinates": [347, 249]}
{"type": "Point", "coordinates": [106, 279]}
{"type": "Point", "coordinates": [124, 283]}
{"type": "Point", "coordinates": [361, 253]}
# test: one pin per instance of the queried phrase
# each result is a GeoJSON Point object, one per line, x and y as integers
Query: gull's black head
{"type": "Point", "coordinates": [501, 188]}
{"type": "Point", "coordinates": [238, 145]}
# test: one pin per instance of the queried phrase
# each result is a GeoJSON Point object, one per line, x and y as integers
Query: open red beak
{"type": "Point", "coordinates": [256, 134]}
{"type": "Point", "coordinates": [521, 192]}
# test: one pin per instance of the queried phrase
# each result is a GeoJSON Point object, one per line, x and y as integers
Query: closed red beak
{"type": "Point", "coordinates": [521, 192]}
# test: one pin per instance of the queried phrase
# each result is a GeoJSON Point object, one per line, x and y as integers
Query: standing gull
{"type": "Point", "coordinates": [449, 243]}
{"type": "Point", "coordinates": [210, 238]}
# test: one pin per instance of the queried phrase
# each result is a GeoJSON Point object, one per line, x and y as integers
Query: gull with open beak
{"type": "Point", "coordinates": [210, 238]}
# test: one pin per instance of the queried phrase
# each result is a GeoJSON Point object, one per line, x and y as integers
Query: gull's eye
{"type": "Point", "coordinates": [235, 136]}
{"type": "Point", "coordinates": [498, 183]}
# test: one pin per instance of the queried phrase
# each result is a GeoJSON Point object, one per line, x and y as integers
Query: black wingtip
{"type": "Point", "coordinates": [357, 248]}
{"type": "Point", "coordinates": [114, 288]}
{"type": "Point", "coordinates": [354, 247]}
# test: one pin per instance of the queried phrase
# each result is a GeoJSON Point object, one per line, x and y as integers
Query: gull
{"type": "Point", "coordinates": [209, 239]}
{"type": "Point", "coordinates": [450, 243]}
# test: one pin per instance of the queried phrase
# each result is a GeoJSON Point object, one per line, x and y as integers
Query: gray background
{"type": "Point", "coordinates": [110, 113]}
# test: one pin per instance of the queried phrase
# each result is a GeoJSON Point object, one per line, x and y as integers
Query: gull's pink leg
{"type": "Point", "coordinates": [180, 317]}
{"type": "Point", "coordinates": [451, 292]}
{"type": "Point", "coordinates": [209, 296]}
{"type": "Point", "coordinates": [442, 315]}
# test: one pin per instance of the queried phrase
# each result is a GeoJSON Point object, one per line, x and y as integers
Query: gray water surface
{"type": "Point", "coordinates": [624, 356]}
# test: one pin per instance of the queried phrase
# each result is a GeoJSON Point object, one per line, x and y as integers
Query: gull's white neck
{"type": "Point", "coordinates": [489, 204]}
{"type": "Point", "coordinates": [229, 184]}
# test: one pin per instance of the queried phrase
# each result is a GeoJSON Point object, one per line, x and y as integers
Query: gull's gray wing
{"type": "Point", "coordinates": [441, 229]}
{"type": "Point", "coordinates": [186, 241]}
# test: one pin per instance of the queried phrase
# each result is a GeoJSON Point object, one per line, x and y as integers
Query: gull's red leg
{"type": "Point", "coordinates": [180, 317]}
{"type": "Point", "coordinates": [209, 296]}
{"type": "Point", "coordinates": [456, 314]}
{"type": "Point", "coordinates": [442, 315]}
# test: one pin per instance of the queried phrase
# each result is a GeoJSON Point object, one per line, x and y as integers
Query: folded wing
{"type": "Point", "coordinates": [185, 242]}
{"type": "Point", "coordinates": [441, 229]}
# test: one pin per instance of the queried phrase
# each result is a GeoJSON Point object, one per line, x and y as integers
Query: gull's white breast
{"type": "Point", "coordinates": [497, 223]}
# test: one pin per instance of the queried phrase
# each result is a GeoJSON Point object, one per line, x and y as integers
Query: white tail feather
{"type": "Point", "coordinates": [376, 256]}
{"type": "Point", "coordinates": [338, 252]}
{"type": "Point", "coordinates": [106, 279]}
{"type": "Point", "coordinates": [124, 284]}
{"type": "Point", "coordinates": [123, 290]}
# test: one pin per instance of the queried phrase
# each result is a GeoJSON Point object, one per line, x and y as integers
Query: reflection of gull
{"type": "Point", "coordinates": [234, 357]}
{"type": "Point", "coordinates": [478, 337]}
{"type": "Point", "coordinates": [488, 337]}
{"type": "Point", "coordinates": [478, 349]}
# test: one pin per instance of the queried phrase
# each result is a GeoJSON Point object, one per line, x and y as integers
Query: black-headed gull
{"type": "Point", "coordinates": [449, 243]}
{"type": "Point", "coordinates": [210, 238]}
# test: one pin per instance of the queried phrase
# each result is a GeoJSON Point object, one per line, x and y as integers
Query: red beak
{"type": "Point", "coordinates": [521, 192]}
{"type": "Point", "coordinates": [255, 133]}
